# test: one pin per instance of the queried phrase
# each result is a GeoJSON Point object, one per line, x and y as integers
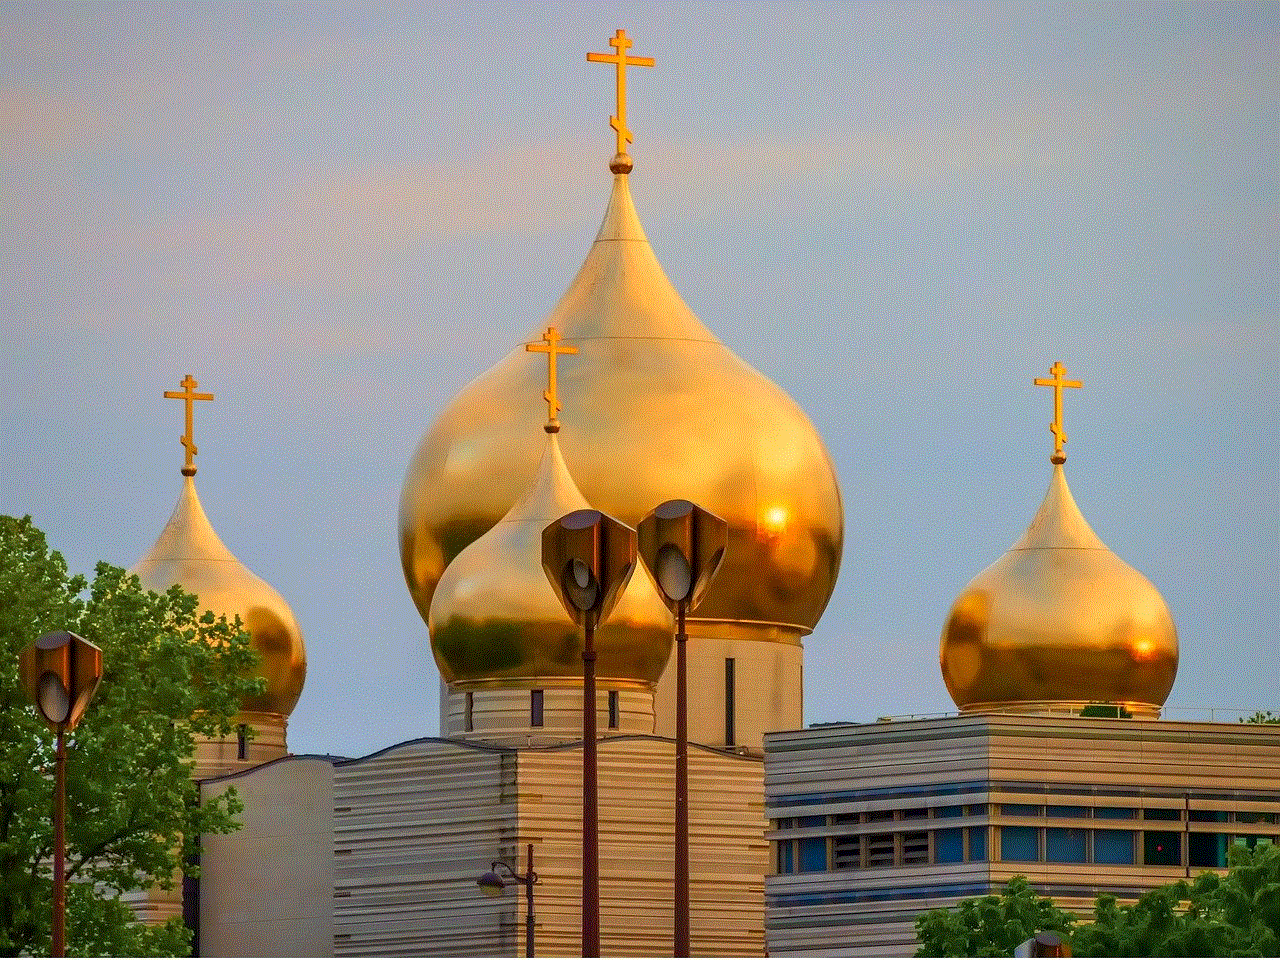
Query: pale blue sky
{"type": "Point", "coordinates": [335, 216]}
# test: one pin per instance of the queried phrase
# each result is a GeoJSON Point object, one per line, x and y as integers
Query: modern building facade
{"type": "Point", "coordinates": [874, 823]}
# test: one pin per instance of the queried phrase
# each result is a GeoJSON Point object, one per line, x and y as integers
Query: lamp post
{"type": "Point", "coordinates": [60, 673]}
{"type": "Point", "coordinates": [588, 557]}
{"type": "Point", "coordinates": [682, 545]}
{"type": "Point", "coordinates": [492, 885]}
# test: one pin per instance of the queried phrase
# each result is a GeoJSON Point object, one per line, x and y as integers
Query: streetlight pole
{"type": "Point", "coordinates": [59, 945]}
{"type": "Point", "coordinates": [492, 885]}
{"type": "Point", "coordinates": [682, 545]}
{"type": "Point", "coordinates": [588, 558]}
{"type": "Point", "coordinates": [60, 673]}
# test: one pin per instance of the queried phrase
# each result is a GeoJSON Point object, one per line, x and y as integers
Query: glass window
{"type": "Point", "coordinates": [613, 710]}
{"type": "Point", "coordinates": [1064, 845]}
{"type": "Point", "coordinates": [1021, 810]}
{"type": "Point", "coordinates": [1161, 848]}
{"type": "Point", "coordinates": [917, 814]}
{"type": "Point", "coordinates": [977, 844]}
{"type": "Point", "coordinates": [956, 811]}
{"type": "Point", "coordinates": [813, 854]}
{"type": "Point", "coordinates": [1156, 813]}
{"type": "Point", "coordinates": [847, 853]}
{"type": "Point", "coordinates": [535, 708]}
{"type": "Point", "coordinates": [1253, 816]}
{"type": "Point", "coordinates": [877, 816]}
{"type": "Point", "coordinates": [1207, 849]}
{"type": "Point", "coordinates": [811, 822]}
{"type": "Point", "coordinates": [1056, 811]}
{"type": "Point", "coordinates": [1019, 844]}
{"type": "Point", "coordinates": [948, 846]}
{"type": "Point", "coordinates": [786, 856]}
{"type": "Point", "coordinates": [1113, 846]}
{"type": "Point", "coordinates": [1114, 813]}
{"type": "Point", "coordinates": [1208, 816]}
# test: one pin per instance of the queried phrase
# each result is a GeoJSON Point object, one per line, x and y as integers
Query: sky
{"type": "Point", "coordinates": [335, 216]}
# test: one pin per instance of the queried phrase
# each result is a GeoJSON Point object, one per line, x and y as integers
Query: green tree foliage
{"type": "Point", "coordinates": [1212, 916]}
{"type": "Point", "coordinates": [990, 926]}
{"type": "Point", "coordinates": [171, 674]}
{"type": "Point", "coordinates": [1261, 716]}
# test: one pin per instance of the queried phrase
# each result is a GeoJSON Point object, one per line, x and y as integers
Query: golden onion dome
{"type": "Point", "coordinates": [661, 410]}
{"type": "Point", "coordinates": [496, 621]}
{"type": "Point", "coordinates": [1059, 622]}
{"type": "Point", "coordinates": [190, 554]}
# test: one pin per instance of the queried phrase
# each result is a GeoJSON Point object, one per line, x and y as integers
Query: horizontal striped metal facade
{"type": "Point", "coordinates": [907, 770]}
{"type": "Point", "coordinates": [413, 827]}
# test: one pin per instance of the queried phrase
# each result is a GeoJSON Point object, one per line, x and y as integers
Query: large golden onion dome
{"type": "Point", "coordinates": [1059, 622]}
{"type": "Point", "coordinates": [189, 553]}
{"type": "Point", "coordinates": [661, 410]}
{"type": "Point", "coordinates": [495, 620]}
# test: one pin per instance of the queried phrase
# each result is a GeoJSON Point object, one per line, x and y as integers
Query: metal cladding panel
{"type": "Point", "coordinates": [981, 759]}
{"type": "Point", "coordinates": [413, 827]}
{"type": "Point", "coordinates": [727, 850]}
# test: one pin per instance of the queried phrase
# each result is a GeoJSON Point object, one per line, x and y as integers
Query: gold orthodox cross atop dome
{"type": "Point", "coordinates": [621, 162]}
{"type": "Point", "coordinates": [188, 394]}
{"type": "Point", "coordinates": [550, 345]}
{"type": "Point", "coordinates": [1059, 433]}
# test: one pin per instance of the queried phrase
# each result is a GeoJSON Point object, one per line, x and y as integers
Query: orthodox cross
{"type": "Point", "coordinates": [190, 396]}
{"type": "Point", "coordinates": [550, 345]}
{"type": "Point", "coordinates": [620, 44]}
{"type": "Point", "coordinates": [1056, 428]}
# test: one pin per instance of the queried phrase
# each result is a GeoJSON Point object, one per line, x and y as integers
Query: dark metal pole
{"type": "Point", "coordinates": [590, 813]}
{"type": "Point", "coordinates": [682, 789]}
{"type": "Point", "coordinates": [529, 877]}
{"type": "Point", "coordinates": [59, 946]}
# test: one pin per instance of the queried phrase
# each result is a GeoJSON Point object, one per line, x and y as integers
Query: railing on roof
{"type": "Point", "coordinates": [1185, 714]}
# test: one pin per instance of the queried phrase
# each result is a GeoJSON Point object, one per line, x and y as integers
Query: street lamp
{"type": "Point", "coordinates": [588, 557]}
{"type": "Point", "coordinates": [60, 673]}
{"type": "Point", "coordinates": [682, 545]}
{"type": "Point", "coordinates": [492, 885]}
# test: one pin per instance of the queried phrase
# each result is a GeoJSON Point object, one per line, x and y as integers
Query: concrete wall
{"type": "Point", "coordinates": [267, 890]}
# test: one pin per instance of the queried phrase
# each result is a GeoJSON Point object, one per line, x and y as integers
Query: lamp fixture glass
{"type": "Point", "coordinates": [580, 585]}
{"type": "Point", "coordinates": [675, 577]}
{"type": "Point", "coordinates": [490, 884]}
{"type": "Point", "coordinates": [53, 698]}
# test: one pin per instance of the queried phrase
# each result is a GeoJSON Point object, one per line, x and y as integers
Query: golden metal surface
{"type": "Point", "coordinates": [619, 58]}
{"type": "Point", "coordinates": [550, 346]}
{"type": "Point", "coordinates": [189, 553]}
{"type": "Point", "coordinates": [662, 410]}
{"type": "Point", "coordinates": [1059, 620]}
{"type": "Point", "coordinates": [188, 394]}
{"type": "Point", "coordinates": [494, 618]}
{"type": "Point", "coordinates": [1056, 428]}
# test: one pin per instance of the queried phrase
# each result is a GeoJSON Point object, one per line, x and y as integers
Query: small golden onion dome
{"type": "Point", "coordinates": [660, 410]}
{"type": "Point", "coordinates": [495, 620]}
{"type": "Point", "coordinates": [1059, 622]}
{"type": "Point", "coordinates": [189, 553]}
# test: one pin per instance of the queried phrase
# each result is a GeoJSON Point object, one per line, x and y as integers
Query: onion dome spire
{"type": "Point", "coordinates": [1059, 622]}
{"type": "Point", "coordinates": [495, 620]}
{"type": "Point", "coordinates": [189, 553]}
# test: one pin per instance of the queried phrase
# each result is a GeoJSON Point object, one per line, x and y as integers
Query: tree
{"type": "Point", "coordinates": [990, 926]}
{"type": "Point", "coordinates": [1261, 716]}
{"type": "Point", "coordinates": [1233, 916]}
{"type": "Point", "coordinates": [171, 674]}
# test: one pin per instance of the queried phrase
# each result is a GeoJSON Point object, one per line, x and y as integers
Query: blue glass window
{"type": "Point", "coordinates": [977, 844]}
{"type": "Point", "coordinates": [813, 854]}
{"type": "Point", "coordinates": [1207, 849]}
{"type": "Point", "coordinates": [1020, 810]}
{"type": "Point", "coordinates": [1162, 848]}
{"type": "Point", "coordinates": [1056, 811]}
{"type": "Point", "coordinates": [949, 811]}
{"type": "Point", "coordinates": [1114, 813]}
{"type": "Point", "coordinates": [786, 856]}
{"type": "Point", "coordinates": [948, 846]}
{"type": "Point", "coordinates": [1113, 846]}
{"type": "Point", "coordinates": [1019, 844]}
{"type": "Point", "coordinates": [1063, 845]}
{"type": "Point", "coordinates": [811, 822]}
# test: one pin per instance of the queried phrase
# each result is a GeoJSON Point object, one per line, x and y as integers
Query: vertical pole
{"type": "Point", "coordinates": [528, 889]}
{"type": "Point", "coordinates": [682, 789]}
{"type": "Point", "coordinates": [590, 813]}
{"type": "Point", "coordinates": [59, 946]}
